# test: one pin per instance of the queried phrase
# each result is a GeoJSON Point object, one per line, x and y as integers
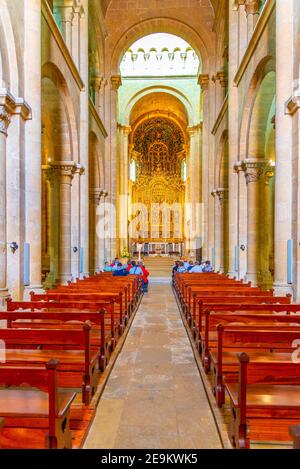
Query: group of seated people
{"type": "Point", "coordinates": [131, 268]}
{"type": "Point", "coordinates": [192, 267]}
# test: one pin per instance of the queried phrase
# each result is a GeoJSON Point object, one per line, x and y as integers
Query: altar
{"type": "Point", "coordinates": [161, 249]}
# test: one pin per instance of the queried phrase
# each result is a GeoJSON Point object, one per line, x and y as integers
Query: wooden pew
{"type": "Point", "coordinates": [78, 360]}
{"type": "Point", "coordinates": [83, 299]}
{"type": "Point", "coordinates": [35, 319]}
{"type": "Point", "coordinates": [109, 325]}
{"type": "Point", "coordinates": [46, 410]}
{"type": "Point", "coordinates": [294, 431]}
{"type": "Point", "coordinates": [270, 342]}
{"type": "Point", "coordinates": [264, 402]}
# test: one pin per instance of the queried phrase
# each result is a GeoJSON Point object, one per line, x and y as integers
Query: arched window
{"type": "Point", "coordinates": [133, 171]}
{"type": "Point", "coordinates": [183, 170]}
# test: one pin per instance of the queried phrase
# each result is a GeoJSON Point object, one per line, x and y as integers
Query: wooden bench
{"type": "Point", "coordinates": [110, 324]}
{"type": "Point", "coordinates": [294, 431]}
{"type": "Point", "coordinates": [78, 360]}
{"type": "Point", "coordinates": [272, 341]}
{"type": "Point", "coordinates": [82, 299]}
{"type": "Point", "coordinates": [33, 319]}
{"type": "Point", "coordinates": [264, 402]}
{"type": "Point", "coordinates": [45, 410]}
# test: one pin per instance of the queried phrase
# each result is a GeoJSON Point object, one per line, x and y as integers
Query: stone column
{"type": "Point", "coordinates": [203, 81]}
{"type": "Point", "coordinates": [233, 139]}
{"type": "Point", "coordinates": [95, 197]}
{"type": "Point", "coordinates": [241, 234]}
{"type": "Point", "coordinates": [65, 172]}
{"type": "Point", "coordinates": [123, 186]}
{"type": "Point", "coordinates": [116, 82]}
{"type": "Point", "coordinates": [106, 245]}
{"type": "Point", "coordinates": [252, 12]}
{"type": "Point", "coordinates": [221, 194]}
{"type": "Point", "coordinates": [51, 176]}
{"type": "Point", "coordinates": [194, 189]}
{"type": "Point", "coordinates": [253, 169]}
{"type": "Point", "coordinates": [76, 36]}
{"type": "Point", "coordinates": [4, 123]}
{"type": "Point", "coordinates": [33, 143]}
{"type": "Point", "coordinates": [266, 279]}
{"type": "Point", "coordinates": [284, 141]}
{"type": "Point", "coordinates": [242, 37]}
{"type": "Point", "coordinates": [66, 10]}
{"type": "Point", "coordinates": [221, 82]}
{"type": "Point", "coordinates": [216, 241]}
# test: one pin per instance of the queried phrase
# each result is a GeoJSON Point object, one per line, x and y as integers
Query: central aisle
{"type": "Point", "coordinates": [154, 397]}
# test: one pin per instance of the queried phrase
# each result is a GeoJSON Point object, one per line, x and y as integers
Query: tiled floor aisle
{"type": "Point", "coordinates": [154, 397]}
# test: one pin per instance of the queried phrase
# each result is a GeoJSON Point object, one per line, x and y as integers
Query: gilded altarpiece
{"type": "Point", "coordinates": [158, 151]}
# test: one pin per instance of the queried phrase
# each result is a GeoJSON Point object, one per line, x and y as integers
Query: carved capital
{"type": "Point", "coordinates": [64, 168]}
{"type": "Point", "coordinates": [125, 129]}
{"type": "Point", "coordinates": [95, 195]}
{"type": "Point", "coordinates": [116, 82]}
{"type": "Point", "coordinates": [253, 170]}
{"type": "Point", "coordinates": [238, 166]}
{"type": "Point", "coordinates": [50, 174]}
{"type": "Point", "coordinates": [252, 7]}
{"type": "Point", "coordinates": [79, 169]}
{"type": "Point", "coordinates": [5, 119]}
{"type": "Point", "coordinates": [203, 81]}
{"type": "Point", "coordinates": [221, 194]}
{"type": "Point", "coordinates": [222, 78]}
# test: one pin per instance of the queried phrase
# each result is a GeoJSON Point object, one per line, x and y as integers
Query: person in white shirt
{"type": "Point", "coordinates": [197, 269]}
{"type": "Point", "coordinates": [181, 268]}
{"type": "Point", "coordinates": [135, 269]}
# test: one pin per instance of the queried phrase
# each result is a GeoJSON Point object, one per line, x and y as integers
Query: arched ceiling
{"type": "Point", "coordinates": [159, 102]}
{"type": "Point", "coordinates": [128, 21]}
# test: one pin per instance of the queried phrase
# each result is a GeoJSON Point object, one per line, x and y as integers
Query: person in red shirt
{"type": "Point", "coordinates": [145, 277]}
{"type": "Point", "coordinates": [129, 265]}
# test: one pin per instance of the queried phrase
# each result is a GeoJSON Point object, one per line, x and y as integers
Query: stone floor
{"type": "Point", "coordinates": [154, 397]}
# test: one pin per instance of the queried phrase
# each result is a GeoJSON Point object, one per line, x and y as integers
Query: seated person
{"type": "Point", "coordinates": [208, 267]}
{"type": "Point", "coordinates": [107, 267]}
{"type": "Point", "coordinates": [191, 265]}
{"type": "Point", "coordinates": [119, 271]}
{"type": "Point", "coordinates": [181, 268]}
{"type": "Point", "coordinates": [128, 266]}
{"type": "Point", "coordinates": [135, 269]}
{"type": "Point", "coordinates": [197, 269]}
{"type": "Point", "coordinates": [145, 277]}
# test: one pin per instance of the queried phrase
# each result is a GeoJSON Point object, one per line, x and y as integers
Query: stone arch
{"type": "Point", "coordinates": [159, 89]}
{"type": "Point", "coordinates": [63, 103]}
{"type": "Point", "coordinates": [159, 25]}
{"type": "Point", "coordinates": [9, 73]}
{"type": "Point", "coordinates": [266, 66]}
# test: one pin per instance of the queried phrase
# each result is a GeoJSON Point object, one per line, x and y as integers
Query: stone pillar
{"type": "Point", "coordinates": [195, 177]}
{"type": "Point", "coordinates": [84, 137]}
{"type": "Point", "coordinates": [253, 169]}
{"type": "Point", "coordinates": [241, 235]}
{"type": "Point", "coordinates": [106, 244]}
{"type": "Point", "coordinates": [66, 9]}
{"type": "Point", "coordinates": [266, 279]}
{"type": "Point", "coordinates": [94, 248]}
{"type": "Point", "coordinates": [76, 36]}
{"type": "Point", "coordinates": [123, 186]}
{"type": "Point", "coordinates": [203, 81]}
{"type": "Point", "coordinates": [4, 123]}
{"type": "Point", "coordinates": [242, 35]}
{"type": "Point", "coordinates": [33, 144]}
{"type": "Point", "coordinates": [221, 83]}
{"type": "Point", "coordinates": [284, 141]}
{"type": "Point", "coordinates": [233, 139]}
{"type": "Point", "coordinates": [116, 82]}
{"type": "Point", "coordinates": [51, 177]}
{"type": "Point", "coordinates": [252, 12]}
{"type": "Point", "coordinates": [216, 241]}
{"type": "Point", "coordinates": [221, 194]}
{"type": "Point", "coordinates": [66, 171]}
